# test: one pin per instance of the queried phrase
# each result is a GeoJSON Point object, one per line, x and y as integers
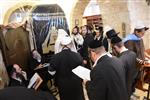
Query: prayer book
{"type": "Point", "coordinates": [82, 72]}
{"type": "Point", "coordinates": [35, 81]}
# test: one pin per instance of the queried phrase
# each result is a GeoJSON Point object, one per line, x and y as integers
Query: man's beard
{"type": "Point", "coordinates": [20, 76]}
{"type": "Point", "coordinates": [75, 33]}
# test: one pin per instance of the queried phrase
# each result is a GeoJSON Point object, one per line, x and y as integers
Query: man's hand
{"type": "Point", "coordinates": [24, 74]}
{"type": "Point", "coordinates": [38, 67]}
{"type": "Point", "coordinates": [85, 62]}
{"type": "Point", "coordinates": [84, 81]}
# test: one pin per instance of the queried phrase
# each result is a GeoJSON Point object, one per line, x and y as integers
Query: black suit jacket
{"type": "Point", "coordinates": [14, 82]}
{"type": "Point", "coordinates": [84, 50]}
{"type": "Point", "coordinates": [107, 80]}
{"type": "Point", "coordinates": [69, 85]}
{"type": "Point", "coordinates": [129, 60]}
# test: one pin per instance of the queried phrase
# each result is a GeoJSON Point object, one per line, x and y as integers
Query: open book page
{"type": "Point", "coordinates": [35, 81]}
{"type": "Point", "coordinates": [82, 72]}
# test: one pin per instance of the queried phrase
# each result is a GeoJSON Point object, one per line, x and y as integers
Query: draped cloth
{"type": "Point", "coordinates": [58, 47]}
{"type": "Point", "coordinates": [4, 80]}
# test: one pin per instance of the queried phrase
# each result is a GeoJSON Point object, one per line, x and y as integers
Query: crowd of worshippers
{"type": "Point", "coordinates": [115, 66]}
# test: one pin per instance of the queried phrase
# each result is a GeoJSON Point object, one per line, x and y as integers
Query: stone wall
{"type": "Point", "coordinates": [119, 14]}
{"type": "Point", "coordinates": [139, 10]}
{"type": "Point", "coordinates": [114, 14]}
{"type": "Point", "coordinates": [77, 13]}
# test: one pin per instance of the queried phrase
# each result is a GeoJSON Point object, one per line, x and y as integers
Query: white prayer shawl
{"type": "Point", "coordinates": [58, 46]}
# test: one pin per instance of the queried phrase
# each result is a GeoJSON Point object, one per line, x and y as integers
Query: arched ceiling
{"type": "Point", "coordinates": [78, 11]}
{"type": "Point", "coordinates": [13, 9]}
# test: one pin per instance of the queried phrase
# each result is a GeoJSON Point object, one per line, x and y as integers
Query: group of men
{"type": "Point", "coordinates": [113, 77]}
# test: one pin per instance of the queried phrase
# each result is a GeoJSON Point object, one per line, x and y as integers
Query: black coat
{"type": "Point", "coordinates": [84, 50]}
{"type": "Point", "coordinates": [129, 60]}
{"type": "Point", "coordinates": [136, 46]}
{"type": "Point", "coordinates": [43, 72]}
{"type": "Point", "coordinates": [69, 85]}
{"type": "Point", "coordinates": [107, 80]}
{"type": "Point", "coordinates": [14, 82]}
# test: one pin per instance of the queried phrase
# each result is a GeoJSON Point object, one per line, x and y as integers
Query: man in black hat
{"type": "Point", "coordinates": [107, 75]}
{"type": "Point", "coordinates": [129, 60]}
{"type": "Point", "coordinates": [99, 36]}
{"type": "Point", "coordinates": [109, 33]}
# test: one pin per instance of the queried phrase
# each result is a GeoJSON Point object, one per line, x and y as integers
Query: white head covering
{"type": "Point", "coordinates": [140, 25]}
{"type": "Point", "coordinates": [66, 40]}
{"type": "Point", "coordinates": [63, 39]}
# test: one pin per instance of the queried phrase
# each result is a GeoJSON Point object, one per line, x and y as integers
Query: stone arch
{"type": "Point", "coordinates": [12, 9]}
{"type": "Point", "coordinates": [114, 13]}
{"type": "Point", "coordinates": [77, 12]}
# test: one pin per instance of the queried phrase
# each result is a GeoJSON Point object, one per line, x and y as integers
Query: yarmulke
{"type": "Point", "coordinates": [95, 44]}
{"type": "Point", "coordinates": [116, 39]}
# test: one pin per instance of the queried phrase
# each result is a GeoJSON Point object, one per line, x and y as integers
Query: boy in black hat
{"type": "Point", "coordinates": [107, 75]}
{"type": "Point", "coordinates": [129, 60]}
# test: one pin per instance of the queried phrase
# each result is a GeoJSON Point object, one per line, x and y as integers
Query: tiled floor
{"type": "Point", "coordinates": [140, 94]}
